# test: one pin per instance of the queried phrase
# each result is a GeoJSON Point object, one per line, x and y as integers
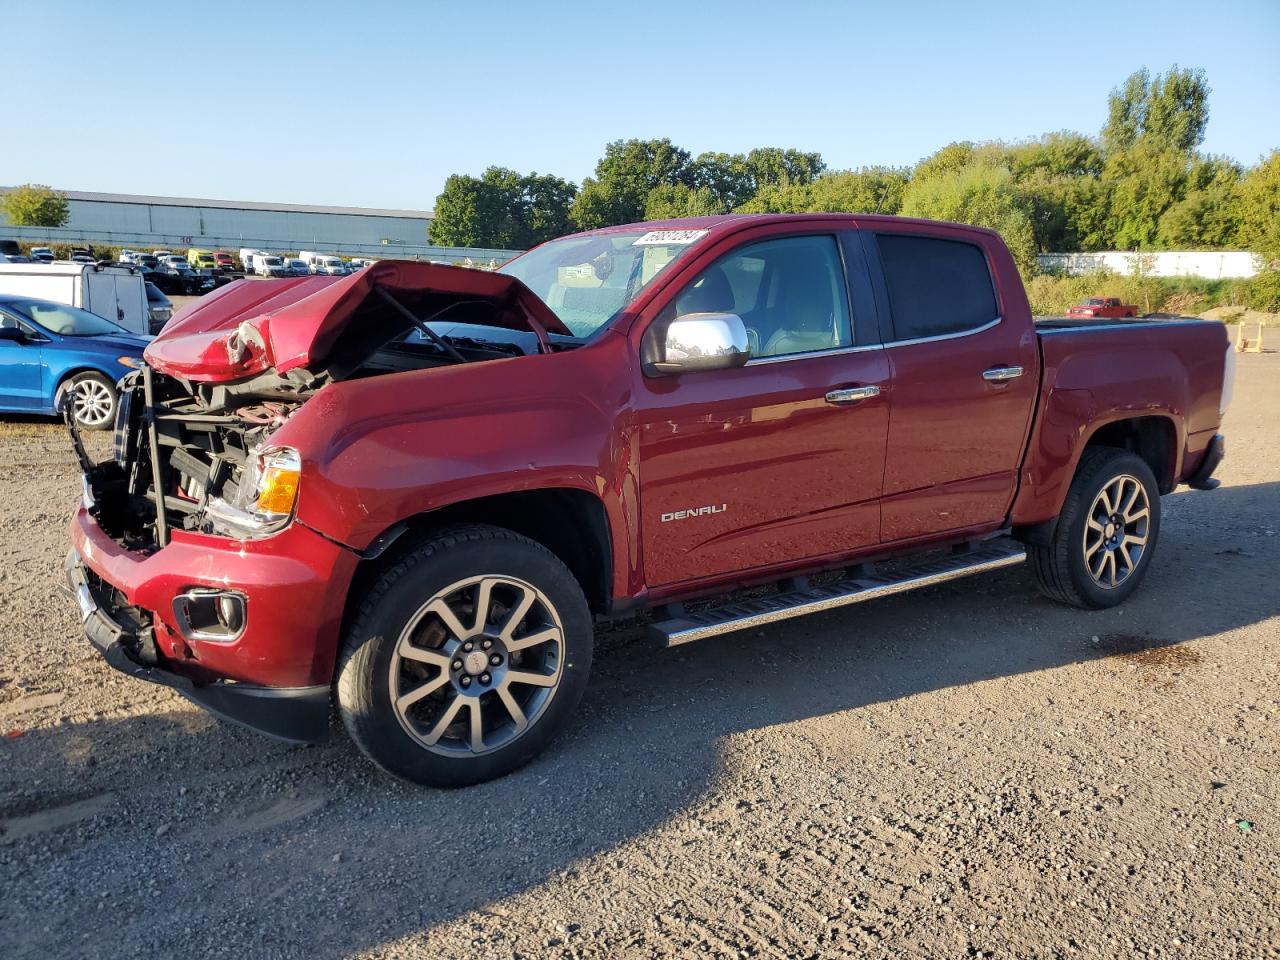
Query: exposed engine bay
{"type": "Point", "coordinates": [206, 446]}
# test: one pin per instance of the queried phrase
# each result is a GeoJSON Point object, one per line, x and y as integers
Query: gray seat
{"type": "Point", "coordinates": [805, 315]}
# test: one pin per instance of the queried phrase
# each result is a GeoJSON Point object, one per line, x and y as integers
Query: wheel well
{"type": "Point", "coordinates": [68, 374]}
{"type": "Point", "coordinates": [569, 523]}
{"type": "Point", "coordinates": [1151, 438]}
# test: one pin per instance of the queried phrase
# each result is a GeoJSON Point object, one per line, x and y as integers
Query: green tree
{"type": "Point", "coordinates": [670, 200]}
{"type": "Point", "coordinates": [624, 177]}
{"type": "Point", "coordinates": [733, 179]}
{"type": "Point", "coordinates": [1208, 214]}
{"type": "Point", "coordinates": [1145, 182]}
{"type": "Point", "coordinates": [868, 190]}
{"type": "Point", "coordinates": [982, 195]}
{"type": "Point", "coordinates": [951, 159]}
{"type": "Point", "coordinates": [1258, 206]}
{"type": "Point", "coordinates": [501, 208]}
{"type": "Point", "coordinates": [1167, 112]}
{"type": "Point", "coordinates": [34, 205]}
{"type": "Point", "coordinates": [725, 177]}
{"type": "Point", "coordinates": [1059, 154]}
{"type": "Point", "coordinates": [774, 166]}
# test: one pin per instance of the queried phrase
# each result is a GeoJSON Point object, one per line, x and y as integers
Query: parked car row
{"type": "Point", "coordinates": [264, 263]}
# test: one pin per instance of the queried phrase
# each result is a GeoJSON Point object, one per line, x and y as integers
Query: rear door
{"type": "Point", "coordinates": [770, 463]}
{"type": "Point", "coordinates": [131, 303]}
{"type": "Point", "coordinates": [100, 295]}
{"type": "Point", "coordinates": [965, 378]}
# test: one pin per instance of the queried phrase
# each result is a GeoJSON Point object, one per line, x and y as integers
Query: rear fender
{"type": "Point", "coordinates": [1083, 393]}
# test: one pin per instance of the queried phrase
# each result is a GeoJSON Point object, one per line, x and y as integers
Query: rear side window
{"type": "Point", "coordinates": [935, 287]}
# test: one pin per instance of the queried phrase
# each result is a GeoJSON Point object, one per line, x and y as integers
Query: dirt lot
{"type": "Point", "coordinates": [967, 771]}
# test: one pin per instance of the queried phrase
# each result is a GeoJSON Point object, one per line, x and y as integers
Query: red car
{"type": "Point", "coordinates": [223, 260]}
{"type": "Point", "coordinates": [411, 491]}
{"type": "Point", "coordinates": [1103, 307]}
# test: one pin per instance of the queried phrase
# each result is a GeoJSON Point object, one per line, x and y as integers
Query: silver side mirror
{"type": "Point", "coordinates": [699, 341]}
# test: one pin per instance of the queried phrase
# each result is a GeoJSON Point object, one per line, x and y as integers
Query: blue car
{"type": "Point", "coordinates": [50, 350]}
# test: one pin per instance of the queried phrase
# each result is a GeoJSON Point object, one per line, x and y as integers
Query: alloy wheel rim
{"type": "Point", "coordinates": [1116, 531]}
{"type": "Point", "coordinates": [91, 402]}
{"type": "Point", "coordinates": [477, 665]}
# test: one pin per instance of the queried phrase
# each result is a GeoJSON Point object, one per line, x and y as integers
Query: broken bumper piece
{"type": "Point", "coordinates": [297, 714]}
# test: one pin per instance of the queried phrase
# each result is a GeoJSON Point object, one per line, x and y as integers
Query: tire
{"type": "Point", "coordinates": [417, 662]}
{"type": "Point", "coordinates": [1088, 570]}
{"type": "Point", "coordinates": [93, 400]}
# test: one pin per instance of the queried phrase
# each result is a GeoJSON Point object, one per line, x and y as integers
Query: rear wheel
{"type": "Point", "coordinates": [93, 400]}
{"type": "Point", "coordinates": [465, 658]}
{"type": "Point", "coordinates": [1106, 533]}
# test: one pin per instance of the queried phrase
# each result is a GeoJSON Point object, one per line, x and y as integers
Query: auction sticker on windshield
{"type": "Point", "coordinates": [655, 237]}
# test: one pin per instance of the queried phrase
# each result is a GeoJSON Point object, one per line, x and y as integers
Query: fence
{"type": "Point", "coordinates": [166, 241]}
{"type": "Point", "coordinates": [1209, 264]}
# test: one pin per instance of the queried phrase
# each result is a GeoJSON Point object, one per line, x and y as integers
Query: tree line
{"type": "Point", "coordinates": [1140, 184]}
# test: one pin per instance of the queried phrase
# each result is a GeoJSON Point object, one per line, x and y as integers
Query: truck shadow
{"type": "Point", "coordinates": [333, 857]}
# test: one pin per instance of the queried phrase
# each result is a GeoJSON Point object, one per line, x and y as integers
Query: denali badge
{"type": "Point", "coordinates": [693, 512]}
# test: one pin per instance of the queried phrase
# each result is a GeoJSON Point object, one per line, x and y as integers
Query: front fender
{"type": "Point", "coordinates": [378, 451]}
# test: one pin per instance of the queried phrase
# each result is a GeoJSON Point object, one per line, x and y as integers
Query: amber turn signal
{"type": "Point", "coordinates": [278, 486]}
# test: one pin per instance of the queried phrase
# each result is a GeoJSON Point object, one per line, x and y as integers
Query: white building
{"type": "Point", "coordinates": [126, 220]}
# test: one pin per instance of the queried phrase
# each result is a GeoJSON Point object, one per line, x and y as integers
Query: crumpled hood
{"type": "Point", "coordinates": [251, 326]}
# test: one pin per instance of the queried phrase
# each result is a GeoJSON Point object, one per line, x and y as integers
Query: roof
{"type": "Point", "coordinates": [236, 204]}
{"type": "Point", "coordinates": [59, 268]}
{"type": "Point", "coordinates": [730, 222]}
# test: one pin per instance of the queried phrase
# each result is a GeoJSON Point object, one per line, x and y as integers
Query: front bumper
{"type": "Point", "coordinates": [298, 714]}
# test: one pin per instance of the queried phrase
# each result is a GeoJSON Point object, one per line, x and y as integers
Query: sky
{"type": "Point", "coordinates": [373, 104]}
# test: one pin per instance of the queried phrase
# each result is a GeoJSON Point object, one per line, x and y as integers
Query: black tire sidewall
{"type": "Point", "coordinates": [1083, 492]}
{"type": "Point", "coordinates": [370, 715]}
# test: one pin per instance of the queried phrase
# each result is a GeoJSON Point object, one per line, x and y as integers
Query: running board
{"type": "Point", "coordinates": [745, 614]}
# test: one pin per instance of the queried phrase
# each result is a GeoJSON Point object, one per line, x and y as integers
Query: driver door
{"type": "Point", "coordinates": [21, 368]}
{"type": "Point", "coordinates": [770, 463]}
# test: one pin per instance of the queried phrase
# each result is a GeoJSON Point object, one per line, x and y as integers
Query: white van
{"type": "Point", "coordinates": [269, 265]}
{"type": "Point", "coordinates": [248, 259]}
{"type": "Point", "coordinates": [117, 293]}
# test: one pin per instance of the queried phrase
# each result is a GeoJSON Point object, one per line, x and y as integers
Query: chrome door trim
{"type": "Point", "coordinates": [759, 361]}
{"type": "Point", "coordinates": [946, 336]}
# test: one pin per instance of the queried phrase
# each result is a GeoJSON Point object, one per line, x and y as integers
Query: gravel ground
{"type": "Point", "coordinates": [965, 771]}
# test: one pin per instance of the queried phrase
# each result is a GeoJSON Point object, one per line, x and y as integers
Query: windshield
{"type": "Point", "coordinates": [585, 280]}
{"type": "Point", "coordinates": [63, 320]}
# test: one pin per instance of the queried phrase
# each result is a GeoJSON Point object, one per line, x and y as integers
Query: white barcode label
{"type": "Point", "coordinates": [663, 237]}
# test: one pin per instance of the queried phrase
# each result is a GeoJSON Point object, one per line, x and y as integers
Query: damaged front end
{"type": "Point", "coordinates": [195, 457]}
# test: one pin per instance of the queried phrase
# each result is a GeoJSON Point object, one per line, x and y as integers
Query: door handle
{"type": "Point", "coordinates": [852, 394]}
{"type": "Point", "coordinates": [1001, 374]}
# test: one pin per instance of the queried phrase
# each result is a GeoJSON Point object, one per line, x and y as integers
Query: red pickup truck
{"type": "Point", "coordinates": [1103, 307]}
{"type": "Point", "coordinates": [412, 491]}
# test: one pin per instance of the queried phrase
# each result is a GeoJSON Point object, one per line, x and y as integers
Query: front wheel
{"type": "Point", "coordinates": [1106, 534]}
{"type": "Point", "coordinates": [93, 400]}
{"type": "Point", "coordinates": [465, 658]}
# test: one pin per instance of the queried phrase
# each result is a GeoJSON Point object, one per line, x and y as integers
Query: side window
{"type": "Point", "coordinates": [790, 294]}
{"type": "Point", "coordinates": [935, 286]}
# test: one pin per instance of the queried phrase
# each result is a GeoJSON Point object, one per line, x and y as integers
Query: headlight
{"type": "Point", "coordinates": [265, 499]}
{"type": "Point", "coordinates": [132, 362]}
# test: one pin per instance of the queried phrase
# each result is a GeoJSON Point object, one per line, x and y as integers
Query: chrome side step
{"type": "Point", "coordinates": [745, 614]}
